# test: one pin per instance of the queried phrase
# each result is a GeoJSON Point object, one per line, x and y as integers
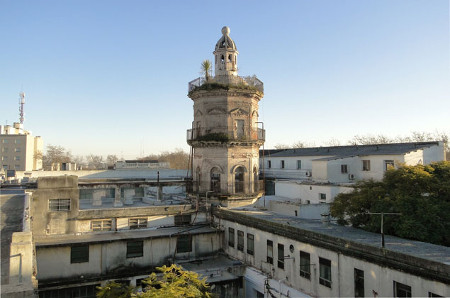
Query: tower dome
{"type": "Point", "coordinates": [225, 55]}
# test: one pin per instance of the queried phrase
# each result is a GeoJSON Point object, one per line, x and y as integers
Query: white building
{"type": "Point", "coordinates": [19, 150]}
{"type": "Point", "coordinates": [317, 175]}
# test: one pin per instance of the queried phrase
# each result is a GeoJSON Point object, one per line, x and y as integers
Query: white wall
{"type": "Point", "coordinates": [311, 192]}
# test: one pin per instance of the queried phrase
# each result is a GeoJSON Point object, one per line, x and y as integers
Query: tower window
{"type": "Point", "coordinates": [229, 58]}
{"type": "Point", "coordinates": [222, 58]}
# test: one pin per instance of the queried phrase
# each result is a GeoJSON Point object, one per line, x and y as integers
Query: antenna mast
{"type": "Point", "coordinates": [21, 103]}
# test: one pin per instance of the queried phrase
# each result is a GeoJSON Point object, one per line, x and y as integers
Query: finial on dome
{"type": "Point", "coordinates": [226, 30]}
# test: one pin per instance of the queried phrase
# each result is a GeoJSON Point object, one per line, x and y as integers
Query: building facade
{"type": "Point", "coordinates": [19, 150]}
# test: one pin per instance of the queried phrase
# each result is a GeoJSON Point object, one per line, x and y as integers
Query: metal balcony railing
{"type": "Point", "coordinates": [223, 135]}
{"type": "Point", "coordinates": [252, 81]}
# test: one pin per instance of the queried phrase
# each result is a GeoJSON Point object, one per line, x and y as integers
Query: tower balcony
{"type": "Point", "coordinates": [224, 135]}
{"type": "Point", "coordinates": [218, 81]}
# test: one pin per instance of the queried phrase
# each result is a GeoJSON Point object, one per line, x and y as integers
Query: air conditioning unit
{"type": "Point", "coordinates": [308, 173]}
{"type": "Point", "coordinates": [351, 177]}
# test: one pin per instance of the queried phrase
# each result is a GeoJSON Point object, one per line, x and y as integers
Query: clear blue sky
{"type": "Point", "coordinates": [110, 77]}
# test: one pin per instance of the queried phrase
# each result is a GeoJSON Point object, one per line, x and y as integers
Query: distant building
{"type": "Point", "coordinates": [19, 150]}
{"type": "Point", "coordinates": [141, 164]}
{"type": "Point", "coordinates": [317, 175]}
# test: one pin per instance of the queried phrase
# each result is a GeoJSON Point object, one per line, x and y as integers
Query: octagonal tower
{"type": "Point", "coordinates": [226, 135]}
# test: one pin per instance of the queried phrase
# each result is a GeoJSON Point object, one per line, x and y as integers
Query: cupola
{"type": "Point", "coordinates": [225, 55]}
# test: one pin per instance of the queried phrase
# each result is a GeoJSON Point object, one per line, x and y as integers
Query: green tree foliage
{"type": "Point", "coordinates": [174, 282]}
{"type": "Point", "coordinates": [420, 193]}
{"type": "Point", "coordinates": [205, 68]}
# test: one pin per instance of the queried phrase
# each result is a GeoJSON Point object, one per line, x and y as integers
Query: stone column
{"type": "Point", "coordinates": [159, 193]}
{"type": "Point", "coordinates": [117, 197]}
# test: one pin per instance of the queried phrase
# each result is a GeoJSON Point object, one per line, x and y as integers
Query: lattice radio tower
{"type": "Point", "coordinates": [21, 103]}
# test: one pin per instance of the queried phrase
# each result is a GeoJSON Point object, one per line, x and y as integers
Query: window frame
{"type": "Point", "coordinates": [101, 225]}
{"type": "Point", "coordinates": [79, 253]}
{"type": "Point", "coordinates": [269, 164]}
{"type": "Point", "coordinates": [299, 164]}
{"type": "Point", "coordinates": [322, 196]}
{"type": "Point", "coordinates": [305, 264]}
{"type": "Point", "coordinates": [135, 249]}
{"type": "Point", "coordinates": [141, 223]}
{"type": "Point", "coordinates": [240, 240]}
{"type": "Point", "coordinates": [182, 219]}
{"type": "Point", "coordinates": [398, 286]}
{"type": "Point", "coordinates": [250, 244]}
{"type": "Point", "coordinates": [344, 169]}
{"type": "Point", "coordinates": [324, 272]}
{"type": "Point", "coordinates": [358, 281]}
{"type": "Point", "coordinates": [56, 205]}
{"type": "Point", "coordinates": [366, 165]}
{"type": "Point", "coordinates": [184, 243]}
{"type": "Point", "coordinates": [270, 252]}
{"type": "Point", "coordinates": [282, 164]}
{"type": "Point", "coordinates": [231, 237]}
{"type": "Point", "coordinates": [388, 164]}
{"type": "Point", "coordinates": [280, 256]}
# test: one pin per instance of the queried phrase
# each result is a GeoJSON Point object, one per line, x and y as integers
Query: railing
{"type": "Point", "coordinates": [237, 187]}
{"type": "Point", "coordinates": [223, 135]}
{"type": "Point", "coordinates": [252, 81]}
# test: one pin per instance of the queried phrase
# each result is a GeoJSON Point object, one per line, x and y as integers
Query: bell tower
{"type": "Point", "coordinates": [226, 136]}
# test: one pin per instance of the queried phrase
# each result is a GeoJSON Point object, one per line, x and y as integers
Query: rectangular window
{"type": "Point", "coordinates": [325, 272]}
{"type": "Point", "coordinates": [184, 243]}
{"type": "Point", "coordinates": [182, 219]}
{"type": "Point", "coordinates": [79, 254]}
{"type": "Point", "coordinates": [299, 164]}
{"type": "Point", "coordinates": [101, 225]}
{"type": "Point", "coordinates": [17, 150]}
{"type": "Point", "coordinates": [4, 141]}
{"type": "Point", "coordinates": [250, 244]}
{"type": "Point", "coordinates": [4, 149]}
{"type": "Point", "coordinates": [344, 169]}
{"type": "Point", "coordinates": [59, 204]}
{"type": "Point", "coordinates": [137, 223]}
{"type": "Point", "coordinates": [366, 165]}
{"type": "Point", "coordinates": [17, 141]}
{"type": "Point", "coordinates": [17, 158]}
{"type": "Point", "coordinates": [305, 265]}
{"type": "Point", "coordinates": [282, 164]}
{"type": "Point", "coordinates": [16, 167]}
{"type": "Point", "coordinates": [4, 157]}
{"type": "Point", "coordinates": [322, 196]}
{"type": "Point", "coordinates": [401, 290]}
{"type": "Point", "coordinates": [280, 256]}
{"type": "Point", "coordinates": [269, 164]}
{"type": "Point", "coordinates": [80, 292]}
{"type": "Point", "coordinates": [388, 165]}
{"type": "Point", "coordinates": [231, 237]}
{"type": "Point", "coordinates": [135, 249]}
{"type": "Point", "coordinates": [240, 244]}
{"type": "Point", "coordinates": [270, 251]}
{"type": "Point", "coordinates": [359, 282]}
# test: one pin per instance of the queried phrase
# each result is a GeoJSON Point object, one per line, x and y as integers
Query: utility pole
{"type": "Point", "coordinates": [382, 222]}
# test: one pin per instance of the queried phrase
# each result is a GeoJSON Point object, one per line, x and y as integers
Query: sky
{"type": "Point", "coordinates": [111, 77]}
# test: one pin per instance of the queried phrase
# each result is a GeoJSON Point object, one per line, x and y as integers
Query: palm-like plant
{"type": "Point", "coordinates": [206, 68]}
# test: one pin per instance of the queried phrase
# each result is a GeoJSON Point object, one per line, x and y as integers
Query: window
{"type": "Point", "coordinates": [16, 167]}
{"type": "Point", "coordinates": [101, 225]}
{"type": "Point", "coordinates": [135, 249]}
{"type": "Point", "coordinates": [184, 243]}
{"type": "Point", "coordinates": [299, 164]}
{"type": "Point", "coordinates": [137, 223]}
{"type": "Point", "coordinates": [231, 237]}
{"type": "Point", "coordinates": [388, 164]}
{"type": "Point", "coordinates": [270, 251]}
{"type": "Point", "coordinates": [366, 165]}
{"type": "Point", "coordinates": [325, 272]}
{"type": "Point", "coordinates": [17, 158]}
{"type": "Point", "coordinates": [433, 295]}
{"type": "Point", "coordinates": [182, 219]}
{"type": "Point", "coordinates": [359, 282]}
{"type": "Point", "coordinates": [4, 157]}
{"type": "Point", "coordinates": [344, 169]}
{"type": "Point", "coordinates": [80, 292]}
{"type": "Point", "coordinates": [17, 141]}
{"type": "Point", "coordinates": [401, 290]}
{"type": "Point", "coordinates": [17, 150]}
{"type": "Point", "coordinates": [4, 149]}
{"type": "Point", "coordinates": [79, 254]}
{"type": "Point", "coordinates": [269, 164]}
{"type": "Point", "coordinates": [59, 204]}
{"type": "Point", "coordinates": [305, 265]}
{"type": "Point", "coordinates": [322, 196]}
{"type": "Point", "coordinates": [250, 244]}
{"type": "Point", "coordinates": [280, 256]}
{"type": "Point", "coordinates": [282, 164]}
{"type": "Point", "coordinates": [4, 141]}
{"type": "Point", "coordinates": [240, 245]}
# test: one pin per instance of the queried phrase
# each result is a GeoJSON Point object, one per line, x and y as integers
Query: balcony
{"type": "Point", "coordinates": [251, 82]}
{"type": "Point", "coordinates": [224, 135]}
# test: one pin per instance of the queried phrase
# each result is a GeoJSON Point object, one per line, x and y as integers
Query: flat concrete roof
{"type": "Point", "coordinates": [122, 235]}
{"type": "Point", "coordinates": [418, 249]}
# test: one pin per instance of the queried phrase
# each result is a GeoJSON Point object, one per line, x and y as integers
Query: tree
{"type": "Point", "coordinates": [111, 160]}
{"type": "Point", "coordinates": [95, 162]}
{"type": "Point", "coordinates": [178, 159]}
{"type": "Point", "coordinates": [420, 193]}
{"type": "Point", "coordinates": [174, 282]}
{"type": "Point", "coordinates": [55, 154]}
{"type": "Point", "coordinates": [206, 69]}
